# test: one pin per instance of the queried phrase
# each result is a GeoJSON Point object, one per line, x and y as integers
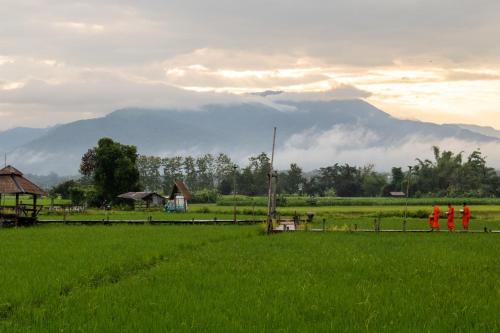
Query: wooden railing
{"type": "Point", "coordinates": [20, 210]}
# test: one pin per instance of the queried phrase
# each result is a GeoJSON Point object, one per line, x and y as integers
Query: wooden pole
{"type": "Point", "coordinates": [234, 193]}
{"type": "Point", "coordinates": [17, 203]}
{"type": "Point", "coordinates": [269, 193]}
{"type": "Point", "coordinates": [407, 196]}
{"type": "Point", "coordinates": [34, 206]}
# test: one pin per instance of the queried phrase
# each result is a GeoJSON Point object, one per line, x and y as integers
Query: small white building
{"type": "Point", "coordinates": [179, 197]}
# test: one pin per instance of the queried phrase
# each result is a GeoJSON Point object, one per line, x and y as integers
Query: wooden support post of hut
{"type": "Point", "coordinates": [179, 197]}
{"type": "Point", "coordinates": [13, 183]}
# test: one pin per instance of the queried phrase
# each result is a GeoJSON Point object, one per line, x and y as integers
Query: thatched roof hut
{"type": "Point", "coordinates": [180, 188]}
{"type": "Point", "coordinates": [12, 182]}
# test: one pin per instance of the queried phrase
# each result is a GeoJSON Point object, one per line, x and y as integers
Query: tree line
{"type": "Point", "coordinates": [111, 168]}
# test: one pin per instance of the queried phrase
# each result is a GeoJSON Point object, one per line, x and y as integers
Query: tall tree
{"type": "Point", "coordinates": [223, 169]}
{"type": "Point", "coordinates": [293, 179]}
{"type": "Point", "coordinates": [172, 171]}
{"type": "Point", "coordinates": [149, 172]}
{"type": "Point", "coordinates": [345, 180]}
{"type": "Point", "coordinates": [372, 183]}
{"type": "Point", "coordinates": [114, 169]}
{"type": "Point", "coordinates": [190, 174]}
{"type": "Point", "coordinates": [205, 167]}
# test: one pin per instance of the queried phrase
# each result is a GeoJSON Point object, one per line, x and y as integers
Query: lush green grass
{"type": "Point", "coordinates": [303, 201]}
{"type": "Point", "coordinates": [234, 279]}
{"type": "Point", "coordinates": [27, 199]}
{"type": "Point", "coordinates": [336, 217]}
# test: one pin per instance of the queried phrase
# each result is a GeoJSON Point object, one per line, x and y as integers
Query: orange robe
{"type": "Point", "coordinates": [466, 218]}
{"type": "Point", "coordinates": [451, 217]}
{"type": "Point", "coordinates": [435, 220]}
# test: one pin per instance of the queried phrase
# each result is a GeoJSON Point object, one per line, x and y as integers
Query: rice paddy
{"type": "Point", "coordinates": [125, 278]}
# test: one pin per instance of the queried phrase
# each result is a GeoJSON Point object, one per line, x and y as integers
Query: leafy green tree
{"type": "Point", "coordinates": [314, 187]}
{"type": "Point", "coordinates": [223, 169]}
{"type": "Point", "coordinates": [253, 179]}
{"type": "Point", "coordinates": [64, 189]}
{"type": "Point", "coordinates": [190, 176]}
{"type": "Point", "coordinates": [114, 170]}
{"type": "Point", "coordinates": [396, 184]}
{"type": "Point", "coordinates": [205, 172]}
{"type": "Point", "coordinates": [293, 179]}
{"type": "Point", "coordinates": [77, 195]}
{"type": "Point", "coordinates": [172, 171]}
{"type": "Point", "coordinates": [149, 172]}
{"type": "Point", "coordinates": [344, 179]}
{"type": "Point", "coordinates": [448, 175]}
{"type": "Point", "coordinates": [372, 183]}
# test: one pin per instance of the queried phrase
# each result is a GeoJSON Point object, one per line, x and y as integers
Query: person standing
{"type": "Point", "coordinates": [435, 217]}
{"type": "Point", "coordinates": [465, 217]}
{"type": "Point", "coordinates": [450, 214]}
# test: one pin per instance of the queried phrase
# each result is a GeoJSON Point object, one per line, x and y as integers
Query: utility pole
{"type": "Point", "coordinates": [234, 193]}
{"type": "Point", "coordinates": [270, 190]}
{"type": "Point", "coordinates": [407, 196]}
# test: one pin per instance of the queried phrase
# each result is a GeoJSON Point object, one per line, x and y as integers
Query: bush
{"type": "Point", "coordinates": [311, 201]}
{"type": "Point", "coordinates": [203, 210]}
{"type": "Point", "coordinates": [205, 196]}
{"type": "Point", "coordinates": [77, 195]}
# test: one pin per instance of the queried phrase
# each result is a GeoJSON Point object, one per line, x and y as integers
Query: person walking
{"type": "Point", "coordinates": [450, 214]}
{"type": "Point", "coordinates": [465, 216]}
{"type": "Point", "coordinates": [435, 217]}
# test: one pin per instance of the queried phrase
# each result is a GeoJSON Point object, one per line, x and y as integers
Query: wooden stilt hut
{"type": "Point", "coordinates": [12, 183]}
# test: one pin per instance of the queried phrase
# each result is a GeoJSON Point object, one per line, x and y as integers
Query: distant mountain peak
{"type": "Point", "coordinates": [267, 93]}
{"type": "Point", "coordinates": [239, 130]}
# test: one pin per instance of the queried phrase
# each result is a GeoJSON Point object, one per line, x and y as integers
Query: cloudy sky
{"type": "Point", "coordinates": [417, 59]}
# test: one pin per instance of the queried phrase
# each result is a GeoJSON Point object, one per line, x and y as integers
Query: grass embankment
{"type": "Point", "coordinates": [233, 279]}
{"type": "Point", "coordinates": [336, 217]}
{"type": "Point", "coordinates": [302, 201]}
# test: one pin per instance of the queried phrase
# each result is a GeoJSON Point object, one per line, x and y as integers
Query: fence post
{"type": "Point", "coordinates": [324, 220]}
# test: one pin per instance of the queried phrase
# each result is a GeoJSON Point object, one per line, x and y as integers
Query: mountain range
{"type": "Point", "coordinates": [239, 130]}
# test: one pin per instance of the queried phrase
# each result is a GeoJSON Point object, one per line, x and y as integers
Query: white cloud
{"type": "Point", "coordinates": [417, 59]}
{"type": "Point", "coordinates": [5, 60]}
{"type": "Point", "coordinates": [79, 27]}
{"type": "Point", "coordinates": [357, 146]}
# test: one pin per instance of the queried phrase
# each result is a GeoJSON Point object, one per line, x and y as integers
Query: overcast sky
{"type": "Point", "coordinates": [66, 60]}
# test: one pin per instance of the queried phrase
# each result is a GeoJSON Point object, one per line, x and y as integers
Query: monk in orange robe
{"type": "Point", "coordinates": [465, 217]}
{"type": "Point", "coordinates": [435, 217]}
{"type": "Point", "coordinates": [450, 214]}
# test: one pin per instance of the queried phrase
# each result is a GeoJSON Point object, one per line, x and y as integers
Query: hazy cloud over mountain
{"type": "Point", "coordinates": [67, 60]}
{"type": "Point", "coordinates": [311, 133]}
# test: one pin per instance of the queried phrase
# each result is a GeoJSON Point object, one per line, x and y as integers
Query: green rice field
{"type": "Point", "coordinates": [336, 217]}
{"type": "Point", "coordinates": [192, 278]}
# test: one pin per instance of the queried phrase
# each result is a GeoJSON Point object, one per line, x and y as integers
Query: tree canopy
{"type": "Point", "coordinates": [113, 169]}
